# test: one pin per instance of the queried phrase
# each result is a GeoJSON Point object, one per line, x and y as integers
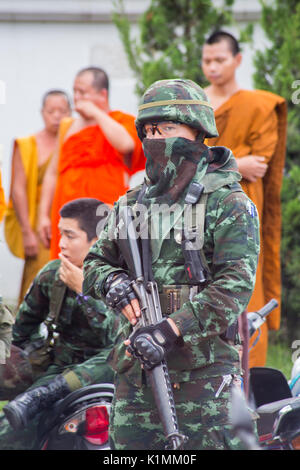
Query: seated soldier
{"type": "Point", "coordinates": [84, 327]}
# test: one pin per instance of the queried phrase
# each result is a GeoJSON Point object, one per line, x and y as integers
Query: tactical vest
{"type": "Point", "coordinates": [196, 266]}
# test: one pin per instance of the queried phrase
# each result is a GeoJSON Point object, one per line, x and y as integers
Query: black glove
{"type": "Point", "coordinates": [151, 343]}
{"type": "Point", "coordinates": [119, 291]}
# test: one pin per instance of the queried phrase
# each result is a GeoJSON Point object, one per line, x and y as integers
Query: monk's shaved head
{"type": "Point", "coordinates": [100, 78]}
{"type": "Point", "coordinates": [55, 92]}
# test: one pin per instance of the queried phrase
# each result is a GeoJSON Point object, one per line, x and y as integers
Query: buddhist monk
{"type": "Point", "coordinates": [31, 156]}
{"type": "Point", "coordinates": [95, 155]}
{"type": "Point", "coordinates": [2, 200]}
{"type": "Point", "coordinates": [252, 123]}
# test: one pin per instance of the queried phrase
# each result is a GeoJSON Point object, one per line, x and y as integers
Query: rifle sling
{"type": "Point", "coordinates": [57, 297]}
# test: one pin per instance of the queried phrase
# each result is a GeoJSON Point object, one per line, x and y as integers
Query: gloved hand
{"type": "Point", "coordinates": [119, 291]}
{"type": "Point", "coordinates": [151, 343]}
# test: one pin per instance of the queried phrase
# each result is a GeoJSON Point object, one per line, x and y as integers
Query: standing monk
{"type": "Point", "coordinates": [95, 156]}
{"type": "Point", "coordinates": [252, 123]}
{"type": "Point", "coordinates": [31, 156]}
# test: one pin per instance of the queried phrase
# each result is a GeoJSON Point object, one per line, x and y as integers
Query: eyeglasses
{"type": "Point", "coordinates": [165, 128]}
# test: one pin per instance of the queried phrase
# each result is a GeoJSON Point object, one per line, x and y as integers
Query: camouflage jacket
{"type": "Point", "coordinates": [85, 325]}
{"type": "Point", "coordinates": [231, 247]}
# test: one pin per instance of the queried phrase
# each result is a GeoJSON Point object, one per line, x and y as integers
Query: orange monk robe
{"type": "Point", "coordinates": [254, 123]}
{"type": "Point", "coordinates": [2, 200]}
{"type": "Point", "coordinates": [89, 166]}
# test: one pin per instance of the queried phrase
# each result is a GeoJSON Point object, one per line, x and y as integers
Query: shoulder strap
{"type": "Point", "coordinates": [196, 219]}
{"type": "Point", "coordinates": [57, 297]}
{"type": "Point", "coordinates": [193, 235]}
{"type": "Point", "coordinates": [196, 226]}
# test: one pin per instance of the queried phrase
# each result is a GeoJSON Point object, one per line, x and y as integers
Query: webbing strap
{"type": "Point", "coordinates": [196, 220]}
{"type": "Point", "coordinates": [57, 297]}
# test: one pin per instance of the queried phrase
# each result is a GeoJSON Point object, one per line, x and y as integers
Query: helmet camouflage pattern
{"type": "Point", "coordinates": [177, 100]}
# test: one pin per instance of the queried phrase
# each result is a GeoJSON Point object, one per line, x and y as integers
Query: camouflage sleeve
{"type": "Point", "coordinates": [234, 262]}
{"type": "Point", "coordinates": [100, 318]}
{"type": "Point", "coordinates": [102, 259]}
{"type": "Point", "coordinates": [35, 306]}
{"type": "Point", "coordinates": [95, 370]}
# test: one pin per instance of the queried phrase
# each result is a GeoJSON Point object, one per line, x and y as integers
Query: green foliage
{"type": "Point", "coordinates": [280, 357]}
{"type": "Point", "coordinates": [290, 250]}
{"type": "Point", "coordinates": [171, 35]}
{"type": "Point", "coordinates": [2, 403]}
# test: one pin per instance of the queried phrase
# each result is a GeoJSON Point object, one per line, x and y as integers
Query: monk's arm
{"type": "Point", "coordinates": [20, 203]}
{"type": "Point", "coordinates": [263, 139]}
{"type": "Point", "coordinates": [252, 167]}
{"type": "Point", "coordinates": [114, 132]}
{"type": "Point", "coordinates": [47, 195]}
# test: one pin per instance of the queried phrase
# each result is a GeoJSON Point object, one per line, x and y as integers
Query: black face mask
{"type": "Point", "coordinates": [171, 164]}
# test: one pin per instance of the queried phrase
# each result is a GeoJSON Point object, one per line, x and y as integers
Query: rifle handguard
{"type": "Point", "coordinates": [119, 291]}
{"type": "Point", "coordinates": [151, 343]}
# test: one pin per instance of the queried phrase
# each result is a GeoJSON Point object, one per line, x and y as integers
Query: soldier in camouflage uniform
{"type": "Point", "coordinates": [86, 328]}
{"type": "Point", "coordinates": [173, 119]}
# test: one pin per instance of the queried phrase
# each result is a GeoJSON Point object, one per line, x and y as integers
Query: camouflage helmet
{"type": "Point", "coordinates": [177, 100]}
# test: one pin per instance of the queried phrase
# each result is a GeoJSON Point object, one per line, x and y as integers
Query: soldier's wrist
{"type": "Point", "coordinates": [108, 281]}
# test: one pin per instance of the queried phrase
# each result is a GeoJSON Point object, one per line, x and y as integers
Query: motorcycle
{"type": "Point", "coordinates": [276, 409]}
{"type": "Point", "coordinates": [79, 421]}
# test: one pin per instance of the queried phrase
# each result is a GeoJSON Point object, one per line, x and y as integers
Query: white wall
{"type": "Point", "coordinates": [36, 56]}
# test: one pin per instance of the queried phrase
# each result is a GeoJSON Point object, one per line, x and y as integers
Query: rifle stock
{"type": "Point", "coordinates": [148, 297]}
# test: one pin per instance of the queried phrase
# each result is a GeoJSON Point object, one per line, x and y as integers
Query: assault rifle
{"type": "Point", "coordinates": [147, 294]}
